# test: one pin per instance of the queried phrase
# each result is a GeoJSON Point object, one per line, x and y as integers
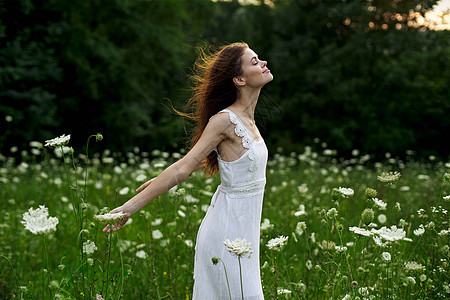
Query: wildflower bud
{"type": "Point", "coordinates": [340, 227]}
{"type": "Point", "coordinates": [302, 287]}
{"type": "Point", "coordinates": [430, 225]}
{"type": "Point", "coordinates": [317, 268]}
{"type": "Point", "coordinates": [401, 223]}
{"type": "Point", "coordinates": [344, 278]}
{"type": "Point", "coordinates": [70, 150]}
{"type": "Point", "coordinates": [215, 260]}
{"type": "Point", "coordinates": [371, 193]}
{"type": "Point", "coordinates": [354, 284]}
{"type": "Point", "coordinates": [181, 192]}
{"type": "Point", "coordinates": [332, 213]}
{"type": "Point", "coordinates": [367, 215]}
{"type": "Point", "coordinates": [92, 225]}
{"type": "Point", "coordinates": [446, 177]}
{"type": "Point", "coordinates": [99, 137]}
{"type": "Point", "coordinates": [61, 267]}
{"type": "Point", "coordinates": [84, 206]}
{"type": "Point", "coordinates": [335, 194]}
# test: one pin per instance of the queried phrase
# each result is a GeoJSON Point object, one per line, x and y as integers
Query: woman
{"type": "Point", "coordinates": [226, 139]}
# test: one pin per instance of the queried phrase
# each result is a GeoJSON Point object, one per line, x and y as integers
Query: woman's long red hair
{"type": "Point", "coordinates": [213, 91]}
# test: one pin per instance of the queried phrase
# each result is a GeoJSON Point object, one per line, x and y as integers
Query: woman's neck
{"type": "Point", "coordinates": [246, 103]}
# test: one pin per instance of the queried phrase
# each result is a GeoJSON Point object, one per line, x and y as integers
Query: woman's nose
{"type": "Point", "coordinates": [264, 63]}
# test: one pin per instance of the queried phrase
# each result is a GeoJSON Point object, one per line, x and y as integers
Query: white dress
{"type": "Point", "coordinates": [235, 212]}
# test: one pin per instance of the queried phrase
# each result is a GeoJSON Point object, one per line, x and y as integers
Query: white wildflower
{"type": "Point", "coordinates": [265, 225]}
{"type": "Point", "coordinates": [382, 218]}
{"type": "Point", "coordinates": [124, 191]}
{"type": "Point", "coordinates": [346, 297]}
{"type": "Point", "coordinates": [281, 291]}
{"type": "Point", "coordinates": [410, 280]}
{"type": "Point", "coordinates": [57, 142]}
{"type": "Point", "coordinates": [98, 297]}
{"type": "Point", "coordinates": [346, 192]}
{"type": "Point", "coordinates": [38, 222]}
{"type": "Point", "coordinates": [303, 188]}
{"type": "Point", "coordinates": [389, 177]}
{"type": "Point", "coordinates": [360, 231]}
{"type": "Point", "coordinates": [141, 254]}
{"type": "Point", "coordinates": [386, 256]}
{"type": "Point", "coordinates": [419, 231]}
{"type": "Point", "coordinates": [444, 232]}
{"type": "Point", "coordinates": [156, 234]}
{"type": "Point", "coordinates": [301, 211]}
{"type": "Point", "coordinates": [423, 177]}
{"type": "Point", "coordinates": [157, 222]}
{"type": "Point", "coordinates": [277, 243]}
{"type": "Point", "coordinates": [414, 266]}
{"type": "Point", "coordinates": [446, 198]}
{"type": "Point", "coordinates": [189, 243]}
{"type": "Point", "coordinates": [363, 291]}
{"type": "Point", "coordinates": [300, 228]}
{"type": "Point", "coordinates": [239, 247]}
{"type": "Point", "coordinates": [390, 234]}
{"type": "Point", "coordinates": [340, 249]}
{"type": "Point", "coordinates": [423, 277]}
{"type": "Point", "coordinates": [309, 264]}
{"type": "Point", "coordinates": [89, 247]}
{"type": "Point", "coordinates": [141, 177]}
{"type": "Point", "coordinates": [332, 213]}
{"type": "Point", "coordinates": [379, 241]}
{"type": "Point", "coordinates": [379, 203]}
{"type": "Point", "coordinates": [110, 218]}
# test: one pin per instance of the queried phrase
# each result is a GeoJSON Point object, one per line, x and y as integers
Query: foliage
{"type": "Point", "coordinates": [352, 73]}
{"type": "Point", "coordinates": [312, 198]}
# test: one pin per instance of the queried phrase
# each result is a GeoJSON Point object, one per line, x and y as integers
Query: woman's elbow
{"type": "Point", "coordinates": [182, 173]}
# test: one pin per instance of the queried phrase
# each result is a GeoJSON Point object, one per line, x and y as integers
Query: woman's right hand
{"type": "Point", "coordinates": [118, 225]}
{"type": "Point", "coordinates": [144, 185]}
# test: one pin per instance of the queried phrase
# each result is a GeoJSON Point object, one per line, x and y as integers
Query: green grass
{"type": "Point", "coordinates": [164, 232]}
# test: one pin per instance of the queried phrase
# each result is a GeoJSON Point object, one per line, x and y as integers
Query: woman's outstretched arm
{"type": "Point", "coordinates": [178, 172]}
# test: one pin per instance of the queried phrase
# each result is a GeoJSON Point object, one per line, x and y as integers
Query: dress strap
{"type": "Point", "coordinates": [239, 128]}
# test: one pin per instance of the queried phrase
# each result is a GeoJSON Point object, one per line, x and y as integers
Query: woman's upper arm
{"type": "Point", "coordinates": [213, 134]}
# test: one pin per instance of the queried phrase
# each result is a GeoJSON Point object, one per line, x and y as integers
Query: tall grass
{"type": "Point", "coordinates": [152, 256]}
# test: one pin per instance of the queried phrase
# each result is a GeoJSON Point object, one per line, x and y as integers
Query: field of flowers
{"type": "Point", "coordinates": [331, 228]}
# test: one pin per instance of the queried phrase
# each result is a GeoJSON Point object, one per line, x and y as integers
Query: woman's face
{"type": "Point", "coordinates": [256, 74]}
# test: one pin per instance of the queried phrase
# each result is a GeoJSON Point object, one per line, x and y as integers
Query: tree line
{"type": "Point", "coordinates": [354, 74]}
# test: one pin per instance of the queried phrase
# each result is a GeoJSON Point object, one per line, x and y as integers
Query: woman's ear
{"type": "Point", "coordinates": [239, 81]}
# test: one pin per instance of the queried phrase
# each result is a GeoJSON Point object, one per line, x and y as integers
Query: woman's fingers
{"type": "Point", "coordinates": [144, 185]}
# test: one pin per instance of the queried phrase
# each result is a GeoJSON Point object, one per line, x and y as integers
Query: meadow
{"type": "Point", "coordinates": [349, 228]}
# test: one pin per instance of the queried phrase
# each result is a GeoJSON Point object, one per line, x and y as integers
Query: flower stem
{"type": "Point", "coordinates": [240, 276]}
{"type": "Point", "coordinates": [226, 276]}
{"type": "Point", "coordinates": [12, 268]}
{"type": "Point", "coordinates": [107, 267]}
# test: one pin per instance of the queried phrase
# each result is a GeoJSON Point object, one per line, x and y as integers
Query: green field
{"type": "Point", "coordinates": [153, 256]}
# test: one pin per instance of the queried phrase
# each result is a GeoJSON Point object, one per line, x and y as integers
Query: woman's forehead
{"type": "Point", "coordinates": [249, 54]}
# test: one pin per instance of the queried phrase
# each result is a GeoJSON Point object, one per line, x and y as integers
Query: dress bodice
{"type": "Point", "coordinates": [247, 174]}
